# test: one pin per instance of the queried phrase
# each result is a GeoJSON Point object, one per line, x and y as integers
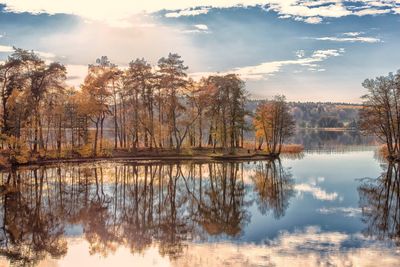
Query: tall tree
{"type": "Point", "coordinates": [172, 79]}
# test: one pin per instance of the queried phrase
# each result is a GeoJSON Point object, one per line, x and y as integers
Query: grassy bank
{"type": "Point", "coordinates": [205, 153]}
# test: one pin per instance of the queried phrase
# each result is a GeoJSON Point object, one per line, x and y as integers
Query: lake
{"type": "Point", "coordinates": [336, 204]}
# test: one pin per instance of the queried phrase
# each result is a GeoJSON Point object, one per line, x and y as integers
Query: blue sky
{"type": "Point", "coordinates": [308, 50]}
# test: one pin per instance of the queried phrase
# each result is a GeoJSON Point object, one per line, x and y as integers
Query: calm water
{"type": "Point", "coordinates": [331, 208]}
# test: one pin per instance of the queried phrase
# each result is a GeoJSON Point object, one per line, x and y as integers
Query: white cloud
{"type": "Point", "coordinates": [45, 55]}
{"type": "Point", "coordinates": [201, 27]}
{"type": "Point", "coordinates": [372, 11]}
{"type": "Point", "coordinates": [353, 34]}
{"type": "Point", "coordinates": [346, 211]}
{"type": "Point", "coordinates": [198, 28]}
{"type": "Point", "coordinates": [350, 39]}
{"type": "Point", "coordinates": [10, 49]}
{"type": "Point", "coordinates": [263, 70]}
{"type": "Point", "coordinates": [316, 192]}
{"type": "Point", "coordinates": [6, 49]}
{"type": "Point", "coordinates": [119, 12]}
{"type": "Point", "coordinates": [187, 12]}
{"type": "Point", "coordinates": [309, 246]}
{"type": "Point", "coordinates": [313, 20]}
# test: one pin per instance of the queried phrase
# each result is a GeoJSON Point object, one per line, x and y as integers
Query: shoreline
{"type": "Point", "coordinates": [163, 155]}
{"type": "Point", "coordinates": [137, 158]}
{"type": "Point", "coordinates": [131, 157]}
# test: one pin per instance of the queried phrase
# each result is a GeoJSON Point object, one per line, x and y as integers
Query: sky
{"type": "Point", "coordinates": [308, 50]}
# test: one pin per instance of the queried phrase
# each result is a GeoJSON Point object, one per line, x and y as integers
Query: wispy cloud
{"type": "Point", "coordinates": [187, 12]}
{"type": "Point", "coordinates": [45, 55]}
{"type": "Point", "coordinates": [353, 34]}
{"type": "Point", "coordinates": [265, 69]}
{"type": "Point", "coordinates": [372, 11]}
{"type": "Point", "coordinates": [198, 28]}
{"type": "Point", "coordinates": [345, 211]}
{"type": "Point", "coordinates": [350, 39]}
{"type": "Point", "coordinates": [119, 12]}
{"type": "Point", "coordinates": [202, 27]}
{"type": "Point", "coordinates": [6, 49]}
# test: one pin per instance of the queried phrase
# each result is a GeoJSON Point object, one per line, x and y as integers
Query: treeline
{"type": "Point", "coordinates": [321, 114]}
{"type": "Point", "coordinates": [142, 106]}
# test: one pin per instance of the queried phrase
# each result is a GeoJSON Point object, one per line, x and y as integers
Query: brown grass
{"type": "Point", "coordinates": [292, 148]}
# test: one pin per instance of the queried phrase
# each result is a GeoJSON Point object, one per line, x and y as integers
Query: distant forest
{"type": "Point", "coordinates": [321, 114]}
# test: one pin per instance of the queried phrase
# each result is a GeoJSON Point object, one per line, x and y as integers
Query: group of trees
{"type": "Point", "coordinates": [380, 115]}
{"type": "Point", "coordinates": [274, 124]}
{"type": "Point", "coordinates": [141, 106]}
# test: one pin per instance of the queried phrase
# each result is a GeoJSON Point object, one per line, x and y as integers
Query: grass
{"type": "Point", "coordinates": [292, 149]}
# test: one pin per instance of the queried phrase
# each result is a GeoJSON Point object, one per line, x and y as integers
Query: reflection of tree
{"type": "Point", "coordinates": [380, 203]}
{"type": "Point", "coordinates": [30, 228]}
{"type": "Point", "coordinates": [331, 141]}
{"type": "Point", "coordinates": [274, 187]}
{"type": "Point", "coordinates": [100, 228]}
{"type": "Point", "coordinates": [220, 203]}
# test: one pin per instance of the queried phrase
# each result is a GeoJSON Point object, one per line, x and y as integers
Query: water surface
{"type": "Point", "coordinates": [331, 208]}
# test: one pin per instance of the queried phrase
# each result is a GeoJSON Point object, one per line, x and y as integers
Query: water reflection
{"type": "Point", "coordinates": [199, 213]}
{"type": "Point", "coordinates": [32, 224]}
{"type": "Point", "coordinates": [132, 205]}
{"type": "Point", "coordinates": [274, 186]}
{"type": "Point", "coordinates": [380, 203]}
{"type": "Point", "coordinates": [332, 140]}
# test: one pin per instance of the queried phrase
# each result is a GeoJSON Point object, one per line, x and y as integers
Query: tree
{"type": "Point", "coordinates": [380, 115]}
{"type": "Point", "coordinates": [95, 100]}
{"type": "Point", "coordinates": [274, 123]}
{"type": "Point", "coordinates": [201, 98]}
{"type": "Point", "coordinates": [227, 111]}
{"type": "Point", "coordinates": [11, 79]}
{"type": "Point", "coordinates": [172, 80]}
{"type": "Point", "coordinates": [139, 86]}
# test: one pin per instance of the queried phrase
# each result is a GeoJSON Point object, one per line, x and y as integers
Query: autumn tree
{"type": "Point", "coordinates": [227, 111]}
{"type": "Point", "coordinates": [139, 91]}
{"type": "Point", "coordinates": [172, 80]}
{"type": "Point", "coordinates": [96, 99]}
{"type": "Point", "coordinates": [11, 79]}
{"type": "Point", "coordinates": [274, 123]}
